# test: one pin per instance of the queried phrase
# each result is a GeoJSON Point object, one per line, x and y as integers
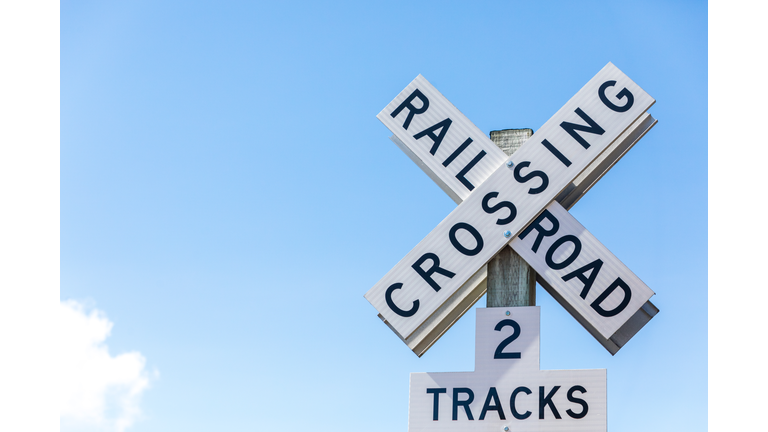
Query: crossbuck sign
{"type": "Point", "coordinates": [514, 201]}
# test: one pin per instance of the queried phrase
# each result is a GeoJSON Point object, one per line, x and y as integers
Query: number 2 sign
{"type": "Point", "coordinates": [507, 391]}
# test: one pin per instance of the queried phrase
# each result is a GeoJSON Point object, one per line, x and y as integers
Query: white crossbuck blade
{"type": "Point", "coordinates": [444, 275]}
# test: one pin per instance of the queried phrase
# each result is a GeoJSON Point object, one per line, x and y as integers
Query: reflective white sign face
{"type": "Point", "coordinates": [511, 197]}
{"type": "Point", "coordinates": [599, 287]}
{"type": "Point", "coordinates": [442, 138]}
{"type": "Point", "coordinates": [507, 388]}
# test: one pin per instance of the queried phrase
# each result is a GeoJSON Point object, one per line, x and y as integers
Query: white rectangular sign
{"type": "Point", "coordinates": [511, 197]}
{"type": "Point", "coordinates": [507, 389]}
{"type": "Point", "coordinates": [627, 291]}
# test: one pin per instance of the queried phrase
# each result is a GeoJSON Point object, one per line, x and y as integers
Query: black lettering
{"type": "Point", "coordinates": [457, 152]}
{"type": "Point", "coordinates": [582, 402]}
{"type": "Point", "coordinates": [427, 274]}
{"type": "Point", "coordinates": [470, 229]}
{"type": "Point", "coordinates": [530, 175]}
{"type": "Point", "coordinates": [499, 353]}
{"type": "Point", "coordinates": [503, 204]}
{"type": "Point", "coordinates": [461, 175]}
{"type": "Point", "coordinates": [436, 403]}
{"type": "Point", "coordinates": [430, 133]}
{"type": "Point", "coordinates": [412, 110]}
{"type": "Point", "coordinates": [624, 302]}
{"type": "Point", "coordinates": [516, 414]}
{"type": "Point", "coordinates": [536, 224]}
{"type": "Point", "coordinates": [556, 152]}
{"type": "Point", "coordinates": [464, 403]}
{"type": "Point", "coordinates": [566, 262]}
{"type": "Point", "coordinates": [495, 407]}
{"type": "Point", "coordinates": [587, 281]}
{"type": "Point", "coordinates": [544, 401]}
{"type": "Point", "coordinates": [624, 93]}
{"type": "Point", "coordinates": [571, 128]}
{"type": "Point", "coordinates": [393, 306]}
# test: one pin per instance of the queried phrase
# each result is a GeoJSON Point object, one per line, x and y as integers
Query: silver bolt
{"type": "Point", "coordinates": [510, 164]}
{"type": "Point", "coordinates": [507, 315]}
{"type": "Point", "coordinates": [507, 234]}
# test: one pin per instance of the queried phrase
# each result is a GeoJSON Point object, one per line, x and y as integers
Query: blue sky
{"type": "Point", "coordinates": [228, 196]}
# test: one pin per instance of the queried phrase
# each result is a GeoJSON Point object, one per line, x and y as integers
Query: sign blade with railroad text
{"type": "Point", "coordinates": [576, 294]}
{"type": "Point", "coordinates": [452, 145]}
{"type": "Point", "coordinates": [507, 389]}
{"type": "Point", "coordinates": [512, 196]}
{"type": "Point", "coordinates": [595, 285]}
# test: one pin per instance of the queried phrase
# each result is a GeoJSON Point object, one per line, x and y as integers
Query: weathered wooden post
{"type": "Point", "coordinates": [511, 281]}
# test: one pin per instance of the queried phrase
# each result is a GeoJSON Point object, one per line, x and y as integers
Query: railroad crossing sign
{"type": "Point", "coordinates": [507, 389]}
{"type": "Point", "coordinates": [510, 201]}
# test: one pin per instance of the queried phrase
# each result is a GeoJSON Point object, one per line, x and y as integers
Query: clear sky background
{"type": "Point", "coordinates": [228, 197]}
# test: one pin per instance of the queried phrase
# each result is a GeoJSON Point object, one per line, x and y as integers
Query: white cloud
{"type": "Point", "coordinates": [99, 392]}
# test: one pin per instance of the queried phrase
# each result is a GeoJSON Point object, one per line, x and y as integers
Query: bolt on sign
{"type": "Point", "coordinates": [507, 391]}
{"type": "Point", "coordinates": [516, 200]}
